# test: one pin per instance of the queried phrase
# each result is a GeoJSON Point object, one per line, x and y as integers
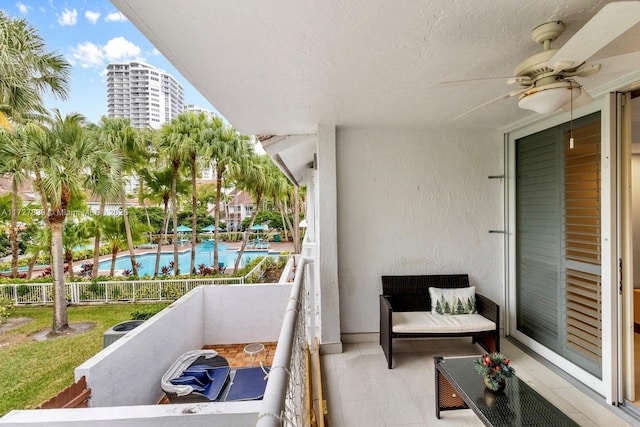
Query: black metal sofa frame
{"type": "Point", "coordinates": [411, 293]}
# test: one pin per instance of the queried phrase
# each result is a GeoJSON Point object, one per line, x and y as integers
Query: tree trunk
{"type": "Point", "coordinates": [96, 242]}
{"type": "Point", "coordinates": [216, 220]}
{"type": "Point", "coordinates": [297, 242]}
{"type": "Point", "coordinates": [174, 214]}
{"type": "Point", "coordinates": [13, 233]}
{"type": "Point", "coordinates": [68, 256]}
{"type": "Point", "coordinates": [127, 229]}
{"type": "Point", "coordinates": [146, 211]}
{"type": "Point", "coordinates": [60, 317]}
{"type": "Point", "coordinates": [114, 255]}
{"type": "Point", "coordinates": [165, 221]}
{"type": "Point", "coordinates": [244, 240]}
{"type": "Point", "coordinates": [32, 263]}
{"type": "Point", "coordinates": [194, 210]}
{"type": "Point", "coordinates": [286, 224]}
{"type": "Point", "coordinates": [43, 198]}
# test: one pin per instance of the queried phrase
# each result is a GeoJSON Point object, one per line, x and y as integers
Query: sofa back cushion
{"type": "Point", "coordinates": [411, 293]}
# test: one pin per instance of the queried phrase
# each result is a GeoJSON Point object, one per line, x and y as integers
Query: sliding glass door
{"type": "Point", "coordinates": [558, 256]}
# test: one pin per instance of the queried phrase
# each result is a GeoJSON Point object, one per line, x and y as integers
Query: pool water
{"type": "Point", "coordinates": [204, 255]}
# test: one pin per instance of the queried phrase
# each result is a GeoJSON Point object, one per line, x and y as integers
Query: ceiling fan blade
{"type": "Point", "coordinates": [494, 100]}
{"type": "Point", "coordinates": [583, 99]}
{"type": "Point", "coordinates": [453, 83]}
{"type": "Point", "coordinates": [620, 63]}
{"type": "Point", "coordinates": [607, 25]}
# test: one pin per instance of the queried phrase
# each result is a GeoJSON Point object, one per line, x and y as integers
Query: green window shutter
{"type": "Point", "coordinates": [538, 166]}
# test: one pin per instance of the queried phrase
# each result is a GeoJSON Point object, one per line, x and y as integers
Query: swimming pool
{"type": "Point", "coordinates": [204, 255]}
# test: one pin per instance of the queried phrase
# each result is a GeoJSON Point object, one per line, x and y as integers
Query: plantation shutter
{"type": "Point", "coordinates": [583, 309]}
{"type": "Point", "coordinates": [558, 253]}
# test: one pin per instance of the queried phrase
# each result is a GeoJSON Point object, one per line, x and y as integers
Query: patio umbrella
{"type": "Point", "coordinates": [183, 229]}
{"type": "Point", "coordinates": [209, 228]}
{"type": "Point", "coordinates": [259, 227]}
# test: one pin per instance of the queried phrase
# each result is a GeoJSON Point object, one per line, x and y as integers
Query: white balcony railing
{"type": "Point", "coordinates": [122, 290]}
{"type": "Point", "coordinates": [284, 402]}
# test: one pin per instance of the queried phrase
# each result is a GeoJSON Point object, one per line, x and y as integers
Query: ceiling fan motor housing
{"type": "Point", "coordinates": [536, 66]}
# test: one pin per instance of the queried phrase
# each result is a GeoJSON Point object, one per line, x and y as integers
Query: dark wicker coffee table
{"type": "Point", "coordinates": [458, 386]}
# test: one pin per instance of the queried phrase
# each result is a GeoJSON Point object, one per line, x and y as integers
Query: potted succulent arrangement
{"type": "Point", "coordinates": [494, 369]}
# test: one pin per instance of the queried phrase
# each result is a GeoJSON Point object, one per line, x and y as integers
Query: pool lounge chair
{"type": "Point", "coordinates": [247, 384]}
{"type": "Point", "coordinates": [186, 380]}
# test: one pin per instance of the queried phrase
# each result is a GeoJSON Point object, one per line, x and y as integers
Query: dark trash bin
{"type": "Point", "coordinates": [276, 237]}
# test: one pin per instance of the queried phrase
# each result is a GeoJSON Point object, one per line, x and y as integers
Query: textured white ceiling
{"type": "Point", "coordinates": [283, 66]}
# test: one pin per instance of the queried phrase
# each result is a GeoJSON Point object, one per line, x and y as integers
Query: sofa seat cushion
{"type": "Point", "coordinates": [416, 322]}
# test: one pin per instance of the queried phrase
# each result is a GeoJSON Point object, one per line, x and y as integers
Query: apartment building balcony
{"type": "Point", "coordinates": [356, 385]}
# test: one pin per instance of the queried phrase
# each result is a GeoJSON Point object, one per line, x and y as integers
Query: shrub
{"type": "Point", "coordinates": [145, 314]}
{"type": "Point", "coordinates": [5, 308]}
{"type": "Point", "coordinates": [23, 290]}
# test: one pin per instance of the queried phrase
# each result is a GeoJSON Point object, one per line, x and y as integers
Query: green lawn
{"type": "Point", "coordinates": [32, 372]}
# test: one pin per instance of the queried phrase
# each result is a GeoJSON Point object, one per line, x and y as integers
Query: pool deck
{"type": "Point", "coordinates": [273, 247]}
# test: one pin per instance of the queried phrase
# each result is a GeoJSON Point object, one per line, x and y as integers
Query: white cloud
{"type": "Point", "coordinates": [68, 17]}
{"type": "Point", "coordinates": [92, 16]}
{"type": "Point", "coordinates": [88, 55]}
{"type": "Point", "coordinates": [115, 16]}
{"type": "Point", "coordinates": [23, 8]}
{"type": "Point", "coordinates": [91, 55]}
{"type": "Point", "coordinates": [121, 49]}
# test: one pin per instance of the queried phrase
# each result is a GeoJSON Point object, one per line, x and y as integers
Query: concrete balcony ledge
{"type": "Point", "coordinates": [217, 414]}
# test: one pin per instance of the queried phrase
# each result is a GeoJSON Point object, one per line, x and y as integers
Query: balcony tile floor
{"type": "Point", "coordinates": [234, 353]}
{"type": "Point", "coordinates": [361, 391]}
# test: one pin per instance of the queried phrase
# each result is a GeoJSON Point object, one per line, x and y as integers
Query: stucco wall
{"type": "Point", "coordinates": [416, 202]}
{"type": "Point", "coordinates": [128, 372]}
{"type": "Point", "coordinates": [244, 313]}
{"type": "Point", "coordinates": [206, 315]}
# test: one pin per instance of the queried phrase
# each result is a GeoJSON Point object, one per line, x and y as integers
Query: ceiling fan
{"type": "Point", "coordinates": [546, 79]}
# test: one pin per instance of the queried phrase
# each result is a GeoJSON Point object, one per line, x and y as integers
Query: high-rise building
{"type": "Point", "coordinates": [145, 94]}
{"type": "Point", "coordinates": [197, 109]}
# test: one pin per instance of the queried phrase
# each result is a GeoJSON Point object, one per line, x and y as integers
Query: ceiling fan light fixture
{"type": "Point", "coordinates": [549, 98]}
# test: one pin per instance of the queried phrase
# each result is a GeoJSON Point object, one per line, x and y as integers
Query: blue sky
{"type": "Point", "coordinates": [90, 34]}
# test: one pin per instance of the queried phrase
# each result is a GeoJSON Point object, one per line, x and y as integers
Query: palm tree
{"type": "Point", "coordinates": [73, 235]}
{"type": "Point", "coordinates": [59, 181]}
{"type": "Point", "coordinates": [14, 164]}
{"type": "Point", "coordinates": [228, 152]}
{"type": "Point", "coordinates": [40, 242]}
{"type": "Point", "coordinates": [61, 175]}
{"type": "Point", "coordinates": [159, 182]}
{"type": "Point", "coordinates": [177, 139]}
{"type": "Point", "coordinates": [27, 71]}
{"type": "Point", "coordinates": [118, 134]}
{"type": "Point", "coordinates": [257, 178]}
{"type": "Point", "coordinates": [115, 237]}
{"type": "Point", "coordinates": [148, 138]}
{"type": "Point", "coordinates": [297, 241]}
{"type": "Point", "coordinates": [281, 189]}
{"type": "Point", "coordinates": [196, 124]}
{"type": "Point", "coordinates": [103, 182]}
{"type": "Point", "coordinates": [40, 150]}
